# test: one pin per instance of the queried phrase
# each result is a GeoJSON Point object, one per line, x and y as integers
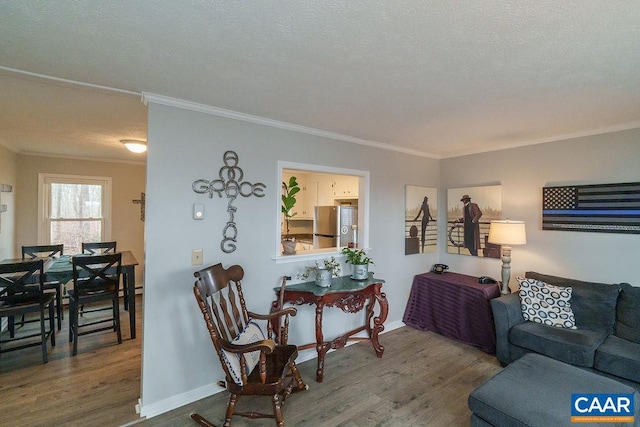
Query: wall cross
{"type": "Point", "coordinates": [141, 201]}
{"type": "Point", "coordinates": [231, 184]}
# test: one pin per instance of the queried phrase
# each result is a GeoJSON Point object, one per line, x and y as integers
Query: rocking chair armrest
{"type": "Point", "coordinates": [264, 345]}
{"type": "Point", "coordinates": [291, 311]}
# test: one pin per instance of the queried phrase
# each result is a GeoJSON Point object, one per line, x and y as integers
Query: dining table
{"type": "Point", "coordinates": [61, 269]}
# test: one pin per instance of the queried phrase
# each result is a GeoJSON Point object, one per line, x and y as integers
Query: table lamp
{"type": "Point", "coordinates": [507, 233]}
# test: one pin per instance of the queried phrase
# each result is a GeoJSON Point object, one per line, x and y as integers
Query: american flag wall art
{"type": "Point", "coordinates": [604, 208]}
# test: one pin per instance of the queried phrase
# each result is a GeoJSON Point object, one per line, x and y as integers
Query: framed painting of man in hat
{"type": "Point", "coordinates": [469, 213]}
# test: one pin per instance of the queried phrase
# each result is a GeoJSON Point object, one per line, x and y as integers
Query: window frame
{"type": "Point", "coordinates": [363, 211]}
{"type": "Point", "coordinates": [44, 202]}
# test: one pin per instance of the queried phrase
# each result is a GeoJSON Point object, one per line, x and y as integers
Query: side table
{"type": "Point", "coordinates": [455, 306]}
{"type": "Point", "coordinates": [348, 295]}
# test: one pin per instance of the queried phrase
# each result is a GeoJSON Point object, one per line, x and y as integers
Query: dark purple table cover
{"type": "Point", "coordinates": [455, 306]}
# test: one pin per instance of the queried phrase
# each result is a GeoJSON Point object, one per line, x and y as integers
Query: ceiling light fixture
{"type": "Point", "coordinates": [134, 145]}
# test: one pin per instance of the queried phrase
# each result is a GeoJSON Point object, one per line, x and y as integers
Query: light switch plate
{"type": "Point", "coordinates": [196, 257]}
{"type": "Point", "coordinates": [198, 211]}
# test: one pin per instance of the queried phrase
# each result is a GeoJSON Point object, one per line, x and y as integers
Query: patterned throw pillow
{"type": "Point", "coordinates": [547, 304]}
{"type": "Point", "coordinates": [250, 334]}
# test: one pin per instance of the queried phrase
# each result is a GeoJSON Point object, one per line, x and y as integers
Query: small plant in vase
{"type": "Point", "coordinates": [323, 272]}
{"type": "Point", "coordinates": [290, 189]}
{"type": "Point", "coordinates": [360, 261]}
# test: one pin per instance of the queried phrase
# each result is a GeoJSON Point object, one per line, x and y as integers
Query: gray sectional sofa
{"type": "Point", "coordinates": [607, 338]}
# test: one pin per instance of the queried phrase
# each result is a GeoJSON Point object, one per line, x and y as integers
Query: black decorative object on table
{"type": "Point", "coordinates": [439, 268]}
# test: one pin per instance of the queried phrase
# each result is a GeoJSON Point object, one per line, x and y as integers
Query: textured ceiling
{"type": "Point", "coordinates": [439, 78]}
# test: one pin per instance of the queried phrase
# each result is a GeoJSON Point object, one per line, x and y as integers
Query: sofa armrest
{"type": "Point", "coordinates": [506, 314]}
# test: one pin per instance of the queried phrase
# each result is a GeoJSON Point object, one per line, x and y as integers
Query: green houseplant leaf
{"type": "Point", "coordinates": [357, 256]}
{"type": "Point", "coordinates": [289, 199]}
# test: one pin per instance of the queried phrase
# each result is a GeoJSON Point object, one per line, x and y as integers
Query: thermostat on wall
{"type": "Point", "coordinates": [198, 211]}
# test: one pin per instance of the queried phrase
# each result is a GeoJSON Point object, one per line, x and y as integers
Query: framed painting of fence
{"type": "Point", "coordinates": [602, 208]}
{"type": "Point", "coordinates": [469, 213]}
{"type": "Point", "coordinates": [420, 214]}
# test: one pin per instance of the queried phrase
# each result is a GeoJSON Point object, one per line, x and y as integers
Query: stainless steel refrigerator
{"type": "Point", "coordinates": [332, 226]}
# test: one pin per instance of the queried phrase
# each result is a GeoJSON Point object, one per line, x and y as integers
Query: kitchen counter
{"type": "Point", "coordinates": [303, 237]}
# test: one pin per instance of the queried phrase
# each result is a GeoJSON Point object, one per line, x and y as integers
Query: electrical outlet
{"type": "Point", "coordinates": [196, 257]}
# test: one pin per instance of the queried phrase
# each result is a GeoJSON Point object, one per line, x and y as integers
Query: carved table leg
{"type": "Point", "coordinates": [378, 322]}
{"type": "Point", "coordinates": [369, 315]}
{"type": "Point", "coordinates": [320, 348]}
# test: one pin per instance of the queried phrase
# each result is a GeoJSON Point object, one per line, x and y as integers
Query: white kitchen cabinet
{"type": "Point", "coordinates": [306, 198]}
{"type": "Point", "coordinates": [325, 193]}
{"type": "Point", "coordinates": [345, 188]}
{"type": "Point", "coordinates": [310, 199]}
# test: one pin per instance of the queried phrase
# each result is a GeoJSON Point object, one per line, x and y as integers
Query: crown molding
{"type": "Point", "coordinates": [64, 82]}
{"type": "Point", "coordinates": [83, 158]}
{"type": "Point", "coordinates": [556, 138]}
{"type": "Point", "coordinates": [207, 109]}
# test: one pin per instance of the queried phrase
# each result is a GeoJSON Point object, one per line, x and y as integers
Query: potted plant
{"type": "Point", "coordinates": [290, 190]}
{"type": "Point", "coordinates": [323, 272]}
{"type": "Point", "coordinates": [360, 261]}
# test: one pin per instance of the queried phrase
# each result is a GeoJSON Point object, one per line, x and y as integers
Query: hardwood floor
{"type": "Point", "coordinates": [423, 379]}
{"type": "Point", "coordinates": [99, 386]}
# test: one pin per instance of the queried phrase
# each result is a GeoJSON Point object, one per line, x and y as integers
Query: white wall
{"type": "Point", "coordinates": [179, 364]}
{"type": "Point", "coordinates": [7, 219]}
{"type": "Point", "coordinates": [522, 172]}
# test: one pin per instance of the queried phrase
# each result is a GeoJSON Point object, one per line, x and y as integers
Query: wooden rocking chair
{"type": "Point", "coordinates": [242, 346]}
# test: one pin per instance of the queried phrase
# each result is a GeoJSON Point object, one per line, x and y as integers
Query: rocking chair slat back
{"type": "Point", "coordinates": [224, 291]}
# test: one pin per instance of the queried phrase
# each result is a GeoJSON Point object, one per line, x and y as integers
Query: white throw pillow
{"type": "Point", "coordinates": [547, 304]}
{"type": "Point", "coordinates": [250, 334]}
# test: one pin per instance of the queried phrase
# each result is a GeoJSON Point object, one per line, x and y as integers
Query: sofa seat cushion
{"type": "Point", "coordinates": [628, 320]}
{"type": "Point", "coordinates": [574, 346]}
{"type": "Point", "coordinates": [593, 304]}
{"type": "Point", "coordinates": [619, 357]}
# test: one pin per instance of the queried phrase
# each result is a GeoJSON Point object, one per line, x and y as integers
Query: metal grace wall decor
{"type": "Point", "coordinates": [604, 208]}
{"type": "Point", "coordinates": [231, 184]}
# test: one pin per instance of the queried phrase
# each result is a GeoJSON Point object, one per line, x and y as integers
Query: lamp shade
{"type": "Point", "coordinates": [507, 233]}
{"type": "Point", "coordinates": [134, 145]}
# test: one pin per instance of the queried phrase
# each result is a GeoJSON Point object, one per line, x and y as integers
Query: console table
{"type": "Point", "coordinates": [455, 306]}
{"type": "Point", "coordinates": [348, 295]}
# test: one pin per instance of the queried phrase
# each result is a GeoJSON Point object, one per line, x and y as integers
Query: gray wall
{"type": "Point", "coordinates": [522, 172]}
{"type": "Point", "coordinates": [179, 364]}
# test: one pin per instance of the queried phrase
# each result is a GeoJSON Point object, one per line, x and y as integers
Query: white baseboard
{"type": "Point", "coordinates": [166, 405]}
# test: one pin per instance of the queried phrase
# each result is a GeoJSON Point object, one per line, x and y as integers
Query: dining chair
{"type": "Point", "coordinates": [96, 278]}
{"type": "Point", "coordinates": [21, 292]}
{"type": "Point", "coordinates": [93, 248]}
{"type": "Point", "coordinates": [254, 363]}
{"type": "Point", "coordinates": [48, 251]}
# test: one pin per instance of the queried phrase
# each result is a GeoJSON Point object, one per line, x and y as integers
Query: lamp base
{"type": "Point", "coordinates": [506, 269]}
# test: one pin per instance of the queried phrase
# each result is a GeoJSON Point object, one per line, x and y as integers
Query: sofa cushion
{"type": "Point", "coordinates": [543, 303]}
{"type": "Point", "coordinates": [628, 319]}
{"type": "Point", "coordinates": [536, 391]}
{"type": "Point", "coordinates": [619, 357]}
{"type": "Point", "coordinates": [574, 346]}
{"type": "Point", "coordinates": [593, 304]}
